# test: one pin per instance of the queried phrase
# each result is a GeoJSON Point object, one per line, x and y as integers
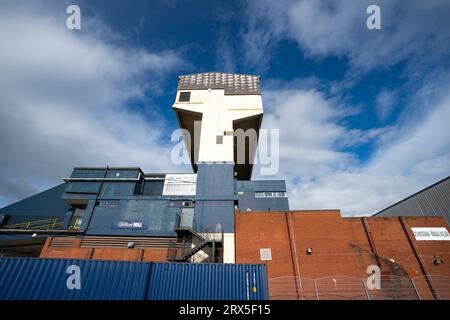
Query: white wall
{"type": "Point", "coordinates": [218, 113]}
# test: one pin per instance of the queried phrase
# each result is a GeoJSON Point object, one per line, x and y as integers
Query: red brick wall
{"type": "Point", "coordinates": [340, 246]}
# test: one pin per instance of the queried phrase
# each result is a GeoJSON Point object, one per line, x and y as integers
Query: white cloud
{"type": "Point", "coordinates": [316, 157]}
{"type": "Point", "coordinates": [417, 30]}
{"type": "Point", "coordinates": [385, 102]}
{"type": "Point", "coordinates": [320, 174]}
{"type": "Point", "coordinates": [63, 95]}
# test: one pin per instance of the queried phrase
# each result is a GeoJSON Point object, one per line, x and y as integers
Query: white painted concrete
{"type": "Point", "coordinates": [218, 113]}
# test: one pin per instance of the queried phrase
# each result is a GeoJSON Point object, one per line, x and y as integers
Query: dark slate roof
{"type": "Point", "coordinates": [232, 83]}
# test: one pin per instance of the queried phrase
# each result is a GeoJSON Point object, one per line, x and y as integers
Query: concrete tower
{"type": "Point", "coordinates": [211, 106]}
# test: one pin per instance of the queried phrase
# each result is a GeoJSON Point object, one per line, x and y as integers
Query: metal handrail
{"type": "Point", "coordinates": [200, 236]}
{"type": "Point", "coordinates": [36, 224]}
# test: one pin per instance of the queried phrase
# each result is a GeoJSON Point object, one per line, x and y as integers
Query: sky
{"type": "Point", "coordinates": [363, 114]}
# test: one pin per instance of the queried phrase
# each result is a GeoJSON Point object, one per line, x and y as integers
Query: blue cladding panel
{"type": "Point", "coordinates": [215, 181]}
{"type": "Point", "coordinates": [115, 189]}
{"type": "Point", "coordinates": [171, 281]}
{"type": "Point", "coordinates": [82, 187]}
{"type": "Point", "coordinates": [261, 185]}
{"type": "Point", "coordinates": [122, 173]}
{"type": "Point", "coordinates": [215, 195]}
{"type": "Point", "coordinates": [88, 173]}
{"type": "Point", "coordinates": [247, 200]}
{"type": "Point", "coordinates": [210, 213]}
{"type": "Point", "coordinates": [44, 205]}
{"type": "Point", "coordinates": [46, 279]}
{"type": "Point", "coordinates": [157, 218]}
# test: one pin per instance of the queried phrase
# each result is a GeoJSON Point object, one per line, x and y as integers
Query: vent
{"type": "Point", "coordinates": [123, 242]}
{"type": "Point", "coordinates": [64, 242]}
{"type": "Point", "coordinates": [266, 254]}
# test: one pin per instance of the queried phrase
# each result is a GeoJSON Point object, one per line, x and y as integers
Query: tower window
{"type": "Point", "coordinates": [185, 96]}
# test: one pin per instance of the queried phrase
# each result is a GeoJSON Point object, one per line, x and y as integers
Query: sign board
{"type": "Point", "coordinates": [183, 184]}
{"type": "Point", "coordinates": [108, 203]}
{"type": "Point", "coordinates": [266, 254]}
{"type": "Point", "coordinates": [431, 234]}
{"type": "Point", "coordinates": [128, 224]}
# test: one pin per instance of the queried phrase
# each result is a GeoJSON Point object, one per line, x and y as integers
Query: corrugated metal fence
{"type": "Point", "coordinates": [65, 279]}
{"type": "Point", "coordinates": [207, 282]}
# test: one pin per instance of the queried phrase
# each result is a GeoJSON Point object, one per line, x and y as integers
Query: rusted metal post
{"type": "Point", "coordinates": [365, 289]}
{"type": "Point", "coordinates": [317, 291]}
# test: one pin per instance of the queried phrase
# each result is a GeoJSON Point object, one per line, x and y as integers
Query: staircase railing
{"type": "Point", "coordinates": [194, 242]}
{"type": "Point", "coordinates": [45, 224]}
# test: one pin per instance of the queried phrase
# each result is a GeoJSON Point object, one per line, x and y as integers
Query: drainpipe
{"type": "Point", "coordinates": [370, 238]}
{"type": "Point", "coordinates": [422, 264]}
{"type": "Point", "coordinates": [298, 285]}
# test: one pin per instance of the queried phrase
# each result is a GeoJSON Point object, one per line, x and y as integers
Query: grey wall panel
{"type": "Point", "coordinates": [432, 201]}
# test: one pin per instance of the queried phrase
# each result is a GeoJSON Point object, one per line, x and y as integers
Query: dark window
{"type": "Point", "coordinates": [219, 139]}
{"type": "Point", "coordinates": [122, 174]}
{"type": "Point", "coordinates": [113, 189]}
{"type": "Point", "coordinates": [82, 187]}
{"type": "Point", "coordinates": [88, 173]}
{"type": "Point", "coordinates": [185, 96]}
{"type": "Point", "coordinates": [153, 187]}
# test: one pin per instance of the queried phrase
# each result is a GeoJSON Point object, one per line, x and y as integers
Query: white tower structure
{"type": "Point", "coordinates": [211, 106]}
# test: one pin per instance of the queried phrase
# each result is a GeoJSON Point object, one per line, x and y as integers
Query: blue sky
{"type": "Point", "coordinates": [362, 113]}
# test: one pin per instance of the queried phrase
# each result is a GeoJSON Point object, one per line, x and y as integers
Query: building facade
{"type": "Point", "coordinates": [217, 214]}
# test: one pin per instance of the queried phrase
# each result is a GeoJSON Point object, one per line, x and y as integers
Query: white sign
{"type": "Point", "coordinates": [423, 234]}
{"type": "Point", "coordinates": [183, 184]}
{"type": "Point", "coordinates": [266, 254]}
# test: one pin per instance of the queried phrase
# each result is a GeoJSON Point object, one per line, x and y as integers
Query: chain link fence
{"type": "Point", "coordinates": [351, 288]}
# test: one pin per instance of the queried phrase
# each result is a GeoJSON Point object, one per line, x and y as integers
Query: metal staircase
{"type": "Point", "coordinates": [196, 243]}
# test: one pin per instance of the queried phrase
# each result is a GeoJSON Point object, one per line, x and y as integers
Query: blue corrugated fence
{"type": "Point", "coordinates": [66, 279]}
{"type": "Point", "coordinates": [61, 279]}
{"type": "Point", "coordinates": [171, 281]}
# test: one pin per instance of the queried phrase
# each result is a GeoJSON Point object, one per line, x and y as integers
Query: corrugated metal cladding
{"type": "Point", "coordinates": [171, 281]}
{"type": "Point", "coordinates": [67, 279]}
{"type": "Point", "coordinates": [55, 279]}
{"type": "Point", "coordinates": [432, 201]}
